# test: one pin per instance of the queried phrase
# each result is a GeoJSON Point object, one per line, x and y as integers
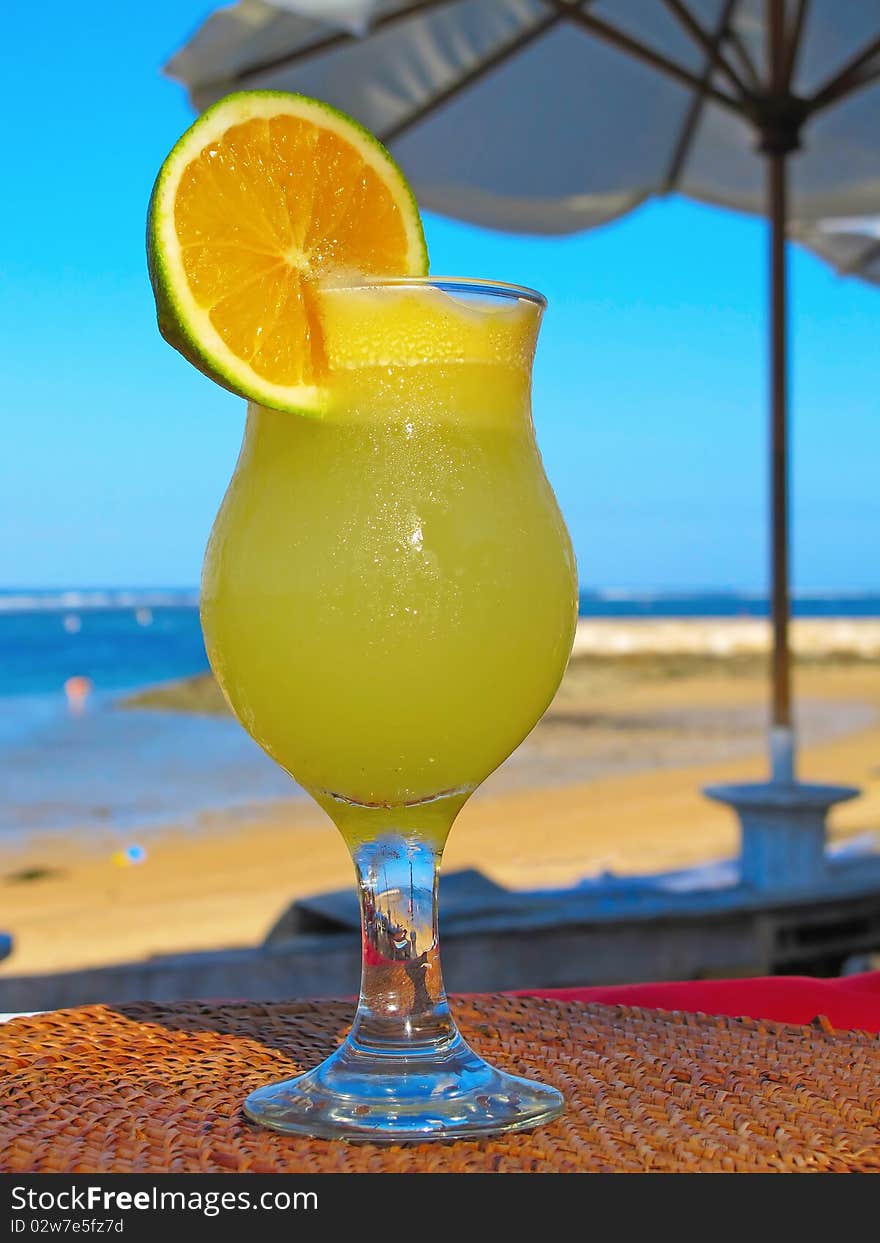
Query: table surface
{"type": "Point", "coordinates": [159, 1088]}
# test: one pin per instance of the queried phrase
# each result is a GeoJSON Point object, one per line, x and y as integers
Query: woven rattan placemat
{"type": "Point", "coordinates": [154, 1087]}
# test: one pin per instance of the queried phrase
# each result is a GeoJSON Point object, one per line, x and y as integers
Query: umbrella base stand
{"type": "Point", "coordinates": [783, 827]}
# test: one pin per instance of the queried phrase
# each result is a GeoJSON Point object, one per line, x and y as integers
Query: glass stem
{"type": "Point", "coordinates": [402, 1006]}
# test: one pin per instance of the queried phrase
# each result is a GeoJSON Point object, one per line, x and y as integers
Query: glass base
{"type": "Point", "coordinates": [439, 1091]}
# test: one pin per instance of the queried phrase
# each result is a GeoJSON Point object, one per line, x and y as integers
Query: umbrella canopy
{"type": "Point", "coordinates": [852, 246]}
{"type": "Point", "coordinates": [546, 117]}
{"type": "Point", "coordinates": [552, 116]}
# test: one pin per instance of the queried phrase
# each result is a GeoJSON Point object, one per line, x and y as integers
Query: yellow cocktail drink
{"type": "Point", "coordinates": [389, 593]}
{"type": "Point", "coordinates": [388, 601]}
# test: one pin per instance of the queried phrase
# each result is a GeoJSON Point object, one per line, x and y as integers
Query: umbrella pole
{"type": "Point", "coordinates": [781, 732]}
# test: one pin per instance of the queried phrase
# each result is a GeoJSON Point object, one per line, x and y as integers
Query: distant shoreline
{"type": "Point", "coordinates": [652, 648]}
{"type": "Point", "coordinates": [125, 641]}
{"type": "Point", "coordinates": [811, 638]}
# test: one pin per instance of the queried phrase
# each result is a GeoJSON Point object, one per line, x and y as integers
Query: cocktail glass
{"type": "Point", "coordinates": [388, 601]}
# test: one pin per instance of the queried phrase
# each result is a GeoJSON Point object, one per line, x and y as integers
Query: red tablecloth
{"type": "Point", "coordinates": [851, 1002]}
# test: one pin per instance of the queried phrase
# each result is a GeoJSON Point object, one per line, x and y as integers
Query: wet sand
{"type": "Point", "coordinates": [610, 780]}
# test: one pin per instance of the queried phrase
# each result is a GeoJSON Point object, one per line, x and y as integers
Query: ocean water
{"type": "Point", "coordinates": [44, 640]}
{"type": "Point", "coordinates": [93, 765]}
{"type": "Point", "coordinates": [611, 603]}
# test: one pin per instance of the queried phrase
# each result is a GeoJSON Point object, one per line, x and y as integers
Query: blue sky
{"type": "Point", "coordinates": [649, 390]}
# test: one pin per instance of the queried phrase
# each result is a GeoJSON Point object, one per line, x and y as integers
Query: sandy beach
{"type": "Point", "coordinates": [609, 780]}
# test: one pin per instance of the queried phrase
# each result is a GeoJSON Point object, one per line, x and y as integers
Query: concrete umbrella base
{"type": "Point", "coordinates": [783, 827]}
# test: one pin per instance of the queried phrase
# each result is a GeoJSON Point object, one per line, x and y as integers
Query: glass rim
{"type": "Point", "coordinates": [448, 284]}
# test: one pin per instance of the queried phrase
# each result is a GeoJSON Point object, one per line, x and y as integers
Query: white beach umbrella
{"type": "Point", "coordinates": [552, 116]}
